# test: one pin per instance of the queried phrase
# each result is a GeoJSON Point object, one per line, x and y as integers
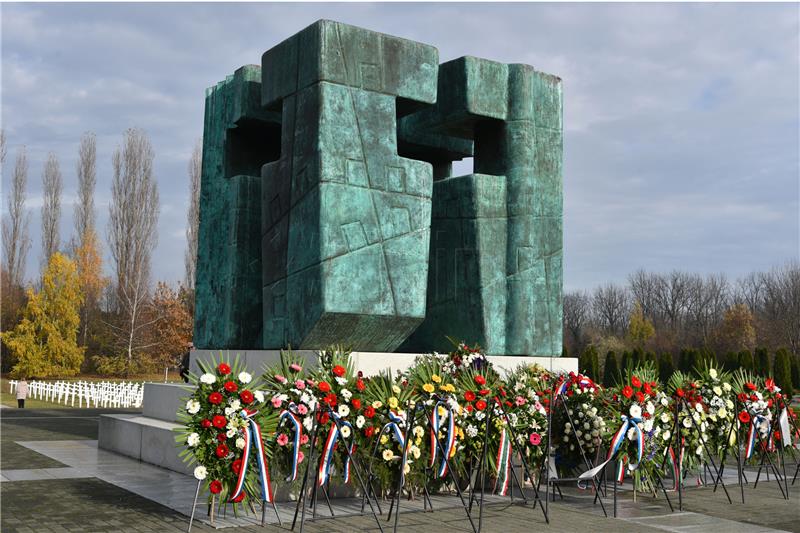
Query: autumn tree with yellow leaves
{"type": "Point", "coordinates": [44, 344]}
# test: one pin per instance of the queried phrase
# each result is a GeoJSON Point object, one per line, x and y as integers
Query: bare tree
{"type": "Point", "coordinates": [611, 306]}
{"type": "Point", "coordinates": [673, 297]}
{"type": "Point", "coordinates": [577, 309]}
{"type": "Point", "coordinates": [644, 287]}
{"type": "Point", "coordinates": [87, 178]}
{"type": "Point", "coordinates": [52, 187]}
{"type": "Point", "coordinates": [2, 146]}
{"type": "Point", "coordinates": [781, 305]}
{"type": "Point", "coordinates": [132, 235]}
{"type": "Point", "coordinates": [193, 215]}
{"type": "Point", "coordinates": [16, 242]}
{"type": "Point", "coordinates": [708, 298]}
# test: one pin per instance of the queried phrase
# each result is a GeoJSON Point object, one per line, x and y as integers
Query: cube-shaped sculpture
{"type": "Point", "coordinates": [346, 220]}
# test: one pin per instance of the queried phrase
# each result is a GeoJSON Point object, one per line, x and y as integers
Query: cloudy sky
{"type": "Point", "coordinates": [681, 121]}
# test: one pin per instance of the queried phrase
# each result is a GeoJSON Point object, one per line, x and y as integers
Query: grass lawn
{"type": "Point", "coordinates": [10, 400]}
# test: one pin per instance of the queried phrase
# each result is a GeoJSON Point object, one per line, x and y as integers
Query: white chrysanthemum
{"type": "Point", "coordinates": [240, 443]}
{"type": "Point", "coordinates": [236, 405]}
{"type": "Point", "coordinates": [340, 380]}
{"type": "Point", "coordinates": [193, 439]}
{"type": "Point", "coordinates": [472, 431]}
{"type": "Point", "coordinates": [631, 434]}
{"type": "Point", "coordinates": [388, 455]}
{"type": "Point", "coordinates": [586, 425]}
{"type": "Point", "coordinates": [200, 472]}
{"type": "Point", "coordinates": [687, 422]}
{"type": "Point", "coordinates": [415, 452]}
{"type": "Point", "coordinates": [308, 423]}
{"type": "Point", "coordinates": [244, 377]}
{"type": "Point", "coordinates": [360, 421]}
{"type": "Point", "coordinates": [635, 411]}
{"type": "Point", "coordinates": [667, 435]}
{"type": "Point", "coordinates": [665, 417]}
{"type": "Point", "coordinates": [698, 407]}
{"type": "Point", "coordinates": [345, 431]}
{"type": "Point", "coordinates": [230, 433]}
{"type": "Point", "coordinates": [418, 431]}
{"type": "Point", "coordinates": [193, 407]}
{"type": "Point", "coordinates": [346, 394]}
{"type": "Point", "coordinates": [578, 433]}
{"type": "Point", "coordinates": [259, 396]}
{"type": "Point", "coordinates": [717, 390]}
{"type": "Point", "coordinates": [343, 410]}
{"type": "Point", "coordinates": [229, 411]}
{"type": "Point", "coordinates": [726, 387]}
{"type": "Point", "coordinates": [648, 425]}
{"type": "Point", "coordinates": [723, 413]}
{"type": "Point", "coordinates": [208, 379]}
{"type": "Point", "coordinates": [479, 415]}
{"type": "Point", "coordinates": [713, 373]}
{"type": "Point", "coordinates": [651, 408]}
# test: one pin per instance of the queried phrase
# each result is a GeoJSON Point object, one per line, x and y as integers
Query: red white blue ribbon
{"type": "Point", "coordinates": [450, 438]}
{"type": "Point", "coordinates": [297, 426]}
{"type": "Point", "coordinates": [252, 437]}
{"type": "Point", "coordinates": [326, 461]}
{"type": "Point", "coordinates": [561, 388]}
{"type": "Point", "coordinates": [616, 443]}
{"type": "Point", "coordinates": [677, 464]}
{"type": "Point", "coordinates": [394, 424]}
{"type": "Point", "coordinates": [753, 432]}
{"type": "Point", "coordinates": [503, 464]}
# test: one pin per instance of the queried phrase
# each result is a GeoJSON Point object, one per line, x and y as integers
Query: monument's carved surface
{"type": "Point", "coordinates": [329, 213]}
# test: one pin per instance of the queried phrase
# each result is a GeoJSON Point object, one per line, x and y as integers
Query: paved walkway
{"type": "Point", "coordinates": [55, 479]}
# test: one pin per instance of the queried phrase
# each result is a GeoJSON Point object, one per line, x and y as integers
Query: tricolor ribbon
{"type": "Point", "coordinates": [450, 438]}
{"type": "Point", "coordinates": [394, 424]}
{"type": "Point", "coordinates": [562, 386]}
{"type": "Point", "coordinates": [252, 436]}
{"type": "Point", "coordinates": [616, 442]}
{"type": "Point", "coordinates": [677, 464]}
{"type": "Point", "coordinates": [503, 464]}
{"type": "Point", "coordinates": [752, 434]}
{"type": "Point", "coordinates": [326, 462]}
{"type": "Point", "coordinates": [297, 426]}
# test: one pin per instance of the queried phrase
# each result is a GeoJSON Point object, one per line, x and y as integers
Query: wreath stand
{"type": "Point", "coordinates": [411, 421]}
{"type": "Point", "coordinates": [302, 499]}
{"type": "Point", "coordinates": [224, 506]}
{"type": "Point", "coordinates": [552, 478]}
{"type": "Point", "coordinates": [779, 477]}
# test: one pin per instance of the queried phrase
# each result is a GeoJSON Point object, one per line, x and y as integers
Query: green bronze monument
{"type": "Point", "coordinates": [329, 213]}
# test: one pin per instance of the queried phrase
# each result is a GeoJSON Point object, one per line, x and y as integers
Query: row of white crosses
{"type": "Point", "coordinates": [116, 394]}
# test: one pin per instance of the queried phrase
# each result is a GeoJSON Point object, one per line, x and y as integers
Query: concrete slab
{"type": "Point", "coordinates": [163, 400]}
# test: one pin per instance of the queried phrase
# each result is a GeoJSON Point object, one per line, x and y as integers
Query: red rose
{"type": "Point", "coordinates": [324, 386]}
{"type": "Point", "coordinates": [742, 397]}
{"type": "Point", "coordinates": [246, 396]}
{"type": "Point", "coordinates": [508, 404]}
{"type": "Point", "coordinates": [480, 380]}
{"type": "Point", "coordinates": [237, 466]}
{"type": "Point", "coordinates": [484, 392]}
{"type": "Point", "coordinates": [627, 391]}
{"type": "Point", "coordinates": [648, 389]}
{"type": "Point", "coordinates": [324, 418]}
{"type": "Point", "coordinates": [356, 403]}
{"type": "Point", "coordinates": [639, 397]}
{"type": "Point", "coordinates": [206, 423]}
{"type": "Point", "coordinates": [222, 437]}
{"type": "Point", "coordinates": [369, 431]}
{"type": "Point", "coordinates": [215, 398]}
{"type": "Point", "coordinates": [680, 393]}
{"type": "Point", "coordinates": [224, 369]}
{"type": "Point", "coordinates": [469, 396]}
{"type": "Point", "coordinates": [646, 415]}
{"type": "Point", "coordinates": [219, 421]}
{"type": "Point", "coordinates": [753, 398]}
{"type": "Point", "coordinates": [636, 382]}
{"type": "Point", "coordinates": [338, 371]}
{"type": "Point", "coordinates": [750, 386]}
{"type": "Point", "coordinates": [744, 417]}
{"type": "Point", "coordinates": [221, 451]}
{"type": "Point", "coordinates": [330, 399]}
{"type": "Point", "coordinates": [360, 385]}
{"type": "Point", "coordinates": [215, 487]}
{"type": "Point", "coordinates": [369, 412]}
{"type": "Point", "coordinates": [469, 408]}
{"type": "Point", "coordinates": [230, 386]}
{"type": "Point", "coordinates": [480, 405]}
{"type": "Point", "coordinates": [769, 403]}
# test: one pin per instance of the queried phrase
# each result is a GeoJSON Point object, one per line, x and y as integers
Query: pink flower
{"type": "Point", "coordinates": [520, 401]}
{"type": "Point", "coordinates": [302, 409]}
{"type": "Point", "coordinates": [300, 457]}
{"type": "Point", "coordinates": [537, 406]}
{"type": "Point", "coordinates": [300, 384]}
{"type": "Point", "coordinates": [280, 378]}
{"type": "Point", "coordinates": [283, 440]}
{"type": "Point", "coordinates": [535, 439]}
{"type": "Point", "coordinates": [303, 439]}
{"type": "Point", "coordinates": [276, 402]}
{"type": "Point", "coordinates": [295, 367]}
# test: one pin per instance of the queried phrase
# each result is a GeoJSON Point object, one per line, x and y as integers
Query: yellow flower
{"type": "Point", "coordinates": [377, 404]}
{"type": "Point", "coordinates": [428, 388]}
{"type": "Point", "coordinates": [450, 387]}
{"type": "Point", "coordinates": [388, 455]}
{"type": "Point", "coordinates": [393, 402]}
{"type": "Point", "coordinates": [395, 389]}
{"type": "Point", "coordinates": [418, 441]}
{"type": "Point", "coordinates": [436, 378]}
{"type": "Point", "coordinates": [384, 439]}
{"type": "Point", "coordinates": [441, 410]}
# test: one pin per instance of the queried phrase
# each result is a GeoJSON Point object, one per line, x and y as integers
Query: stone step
{"type": "Point", "coordinates": [149, 440]}
{"type": "Point", "coordinates": [163, 400]}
